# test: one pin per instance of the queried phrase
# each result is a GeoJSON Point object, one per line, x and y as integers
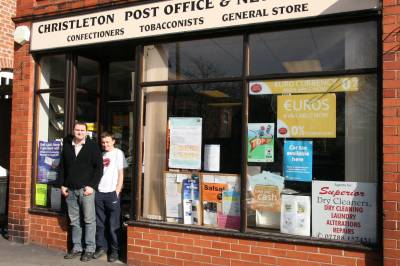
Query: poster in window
{"type": "Point", "coordinates": [344, 211]}
{"type": "Point", "coordinates": [307, 85]}
{"type": "Point", "coordinates": [221, 200]}
{"type": "Point", "coordinates": [307, 116]}
{"type": "Point", "coordinates": [298, 160]}
{"type": "Point", "coordinates": [41, 195]}
{"type": "Point", "coordinates": [48, 160]}
{"type": "Point", "coordinates": [173, 195]}
{"type": "Point", "coordinates": [260, 144]}
{"type": "Point", "coordinates": [191, 200]}
{"type": "Point", "coordinates": [185, 134]}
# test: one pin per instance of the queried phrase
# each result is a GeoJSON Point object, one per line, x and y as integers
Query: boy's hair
{"type": "Point", "coordinates": [106, 134]}
{"type": "Point", "coordinates": [81, 124]}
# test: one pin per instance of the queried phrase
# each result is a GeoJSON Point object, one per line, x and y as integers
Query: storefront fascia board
{"type": "Point", "coordinates": [169, 17]}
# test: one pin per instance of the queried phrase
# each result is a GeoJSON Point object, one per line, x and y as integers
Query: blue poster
{"type": "Point", "coordinates": [48, 160]}
{"type": "Point", "coordinates": [297, 160]}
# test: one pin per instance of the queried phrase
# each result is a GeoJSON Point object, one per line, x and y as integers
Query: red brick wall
{"type": "Point", "coordinates": [38, 7]}
{"type": "Point", "coordinates": [7, 11]}
{"type": "Point", "coordinates": [160, 247]}
{"type": "Point", "coordinates": [391, 132]}
{"type": "Point", "coordinates": [49, 231]}
{"type": "Point", "coordinates": [21, 145]}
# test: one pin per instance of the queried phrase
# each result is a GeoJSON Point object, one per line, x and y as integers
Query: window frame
{"type": "Point", "coordinates": [245, 78]}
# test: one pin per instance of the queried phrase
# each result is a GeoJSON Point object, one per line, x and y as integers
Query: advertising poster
{"type": "Point", "coordinates": [298, 160]}
{"type": "Point", "coordinates": [41, 195]}
{"type": "Point", "coordinates": [265, 191]}
{"type": "Point", "coordinates": [48, 160]}
{"type": "Point", "coordinates": [260, 144]}
{"type": "Point", "coordinates": [173, 195]}
{"type": "Point", "coordinates": [191, 201]}
{"type": "Point", "coordinates": [185, 142]}
{"type": "Point", "coordinates": [221, 200]}
{"type": "Point", "coordinates": [296, 215]}
{"type": "Point", "coordinates": [314, 85]}
{"type": "Point", "coordinates": [307, 116]}
{"type": "Point", "coordinates": [344, 211]}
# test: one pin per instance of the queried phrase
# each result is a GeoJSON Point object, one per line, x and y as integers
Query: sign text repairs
{"type": "Point", "coordinates": [167, 17]}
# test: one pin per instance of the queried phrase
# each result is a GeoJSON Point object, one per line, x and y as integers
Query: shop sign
{"type": "Point", "coordinates": [298, 160]}
{"type": "Point", "coordinates": [185, 142]}
{"type": "Point", "coordinates": [344, 211]}
{"type": "Point", "coordinates": [177, 16]}
{"type": "Point", "coordinates": [316, 85]}
{"type": "Point", "coordinates": [307, 116]}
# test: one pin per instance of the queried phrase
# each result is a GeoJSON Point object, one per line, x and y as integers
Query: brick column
{"type": "Point", "coordinates": [6, 33]}
{"type": "Point", "coordinates": [391, 130]}
{"type": "Point", "coordinates": [21, 145]}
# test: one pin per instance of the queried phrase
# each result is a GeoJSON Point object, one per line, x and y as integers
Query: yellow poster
{"type": "Point", "coordinates": [307, 116]}
{"type": "Point", "coordinates": [41, 195]}
{"type": "Point", "coordinates": [314, 85]}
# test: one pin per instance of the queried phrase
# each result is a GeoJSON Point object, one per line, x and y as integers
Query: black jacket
{"type": "Point", "coordinates": [86, 169]}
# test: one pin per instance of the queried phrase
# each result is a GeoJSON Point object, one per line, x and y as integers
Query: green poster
{"type": "Point", "coordinates": [41, 195]}
{"type": "Point", "coordinates": [260, 144]}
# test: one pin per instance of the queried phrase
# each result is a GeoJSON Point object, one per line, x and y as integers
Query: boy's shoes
{"type": "Point", "coordinates": [72, 254]}
{"type": "Point", "coordinates": [87, 256]}
{"type": "Point", "coordinates": [113, 256]}
{"type": "Point", "coordinates": [100, 252]}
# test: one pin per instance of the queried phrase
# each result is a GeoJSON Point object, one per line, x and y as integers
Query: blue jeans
{"type": "Point", "coordinates": [80, 205]}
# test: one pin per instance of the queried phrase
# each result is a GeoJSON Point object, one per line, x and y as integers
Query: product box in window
{"type": "Point", "coordinates": [295, 215]}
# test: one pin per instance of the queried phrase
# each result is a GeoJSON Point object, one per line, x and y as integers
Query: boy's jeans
{"type": "Point", "coordinates": [79, 204]}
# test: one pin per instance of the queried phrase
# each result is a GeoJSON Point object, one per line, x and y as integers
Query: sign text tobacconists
{"type": "Point", "coordinates": [167, 17]}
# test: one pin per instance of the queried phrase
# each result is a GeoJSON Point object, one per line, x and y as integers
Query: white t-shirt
{"type": "Point", "coordinates": [112, 162]}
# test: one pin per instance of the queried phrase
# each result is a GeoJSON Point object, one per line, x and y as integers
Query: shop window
{"type": "Point", "coordinates": [316, 49]}
{"type": "Point", "coordinates": [199, 59]}
{"type": "Point", "coordinates": [50, 130]}
{"type": "Point", "coordinates": [311, 142]}
{"type": "Point", "coordinates": [195, 128]}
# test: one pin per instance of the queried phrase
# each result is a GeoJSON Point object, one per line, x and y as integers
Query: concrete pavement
{"type": "Point", "coordinates": [15, 254]}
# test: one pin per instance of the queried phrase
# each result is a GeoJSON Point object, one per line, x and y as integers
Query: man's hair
{"type": "Point", "coordinates": [106, 134]}
{"type": "Point", "coordinates": [81, 124]}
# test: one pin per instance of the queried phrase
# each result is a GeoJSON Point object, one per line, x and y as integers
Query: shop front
{"type": "Point", "coordinates": [252, 129]}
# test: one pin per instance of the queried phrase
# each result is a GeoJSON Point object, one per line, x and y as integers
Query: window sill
{"type": "Point", "coordinates": [255, 235]}
{"type": "Point", "coordinates": [36, 210]}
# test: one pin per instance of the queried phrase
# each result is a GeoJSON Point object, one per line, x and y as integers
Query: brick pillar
{"type": "Point", "coordinates": [391, 131]}
{"type": "Point", "coordinates": [21, 144]}
{"type": "Point", "coordinates": [6, 33]}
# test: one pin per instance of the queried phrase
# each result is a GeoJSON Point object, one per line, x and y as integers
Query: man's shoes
{"type": "Point", "coordinates": [72, 254]}
{"type": "Point", "coordinates": [113, 256]}
{"type": "Point", "coordinates": [87, 256]}
{"type": "Point", "coordinates": [100, 252]}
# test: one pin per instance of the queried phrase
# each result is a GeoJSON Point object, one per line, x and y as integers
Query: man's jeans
{"type": "Point", "coordinates": [78, 205]}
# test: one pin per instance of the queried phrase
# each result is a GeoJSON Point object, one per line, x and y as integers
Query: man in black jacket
{"type": "Point", "coordinates": [81, 169]}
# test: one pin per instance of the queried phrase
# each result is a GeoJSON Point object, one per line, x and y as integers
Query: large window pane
{"type": "Point", "coordinates": [199, 59]}
{"type": "Point", "coordinates": [218, 107]}
{"type": "Point", "coordinates": [328, 48]}
{"type": "Point", "coordinates": [121, 81]}
{"type": "Point", "coordinates": [350, 155]}
{"type": "Point", "coordinates": [52, 75]}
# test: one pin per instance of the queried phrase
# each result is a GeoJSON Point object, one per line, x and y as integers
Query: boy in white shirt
{"type": "Point", "coordinates": [107, 200]}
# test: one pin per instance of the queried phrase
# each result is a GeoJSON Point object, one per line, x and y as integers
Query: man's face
{"type": "Point", "coordinates": [79, 132]}
{"type": "Point", "coordinates": [107, 143]}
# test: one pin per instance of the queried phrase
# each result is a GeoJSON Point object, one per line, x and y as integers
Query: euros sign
{"type": "Point", "coordinates": [307, 116]}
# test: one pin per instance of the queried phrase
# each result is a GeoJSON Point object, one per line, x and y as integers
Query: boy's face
{"type": "Point", "coordinates": [107, 143]}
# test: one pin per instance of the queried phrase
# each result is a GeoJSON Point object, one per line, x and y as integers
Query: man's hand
{"type": "Point", "coordinates": [87, 191]}
{"type": "Point", "coordinates": [64, 191]}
